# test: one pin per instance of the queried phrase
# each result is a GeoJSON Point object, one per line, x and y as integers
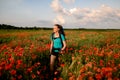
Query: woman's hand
{"type": "Point", "coordinates": [62, 51]}
{"type": "Point", "coordinates": [50, 51]}
{"type": "Point", "coordinates": [63, 48]}
{"type": "Point", "coordinates": [51, 46]}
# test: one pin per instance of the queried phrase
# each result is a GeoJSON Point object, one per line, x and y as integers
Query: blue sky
{"type": "Point", "coordinates": [69, 13]}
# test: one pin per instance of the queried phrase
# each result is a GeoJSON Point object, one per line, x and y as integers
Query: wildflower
{"type": "Point", "coordinates": [98, 70]}
{"type": "Point", "coordinates": [38, 63]}
{"type": "Point", "coordinates": [73, 58]}
{"type": "Point", "coordinates": [81, 77]}
{"type": "Point", "coordinates": [94, 48]}
{"type": "Point", "coordinates": [116, 56]}
{"type": "Point", "coordinates": [83, 69]}
{"type": "Point", "coordinates": [89, 73]}
{"type": "Point", "coordinates": [108, 74]}
{"type": "Point", "coordinates": [8, 66]}
{"type": "Point", "coordinates": [86, 59]}
{"type": "Point", "coordinates": [72, 77]}
{"type": "Point", "coordinates": [109, 78]}
{"type": "Point", "coordinates": [101, 63]}
{"type": "Point", "coordinates": [17, 66]}
{"type": "Point", "coordinates": [55, 79]}
{"type": "Point", "coordinates": [70, 74]}
{"type": "Point", "coordinates": [5, 53]}
{"type": "Point", "coordinates": [34, 56]}
{"type": "Point", "coordinates": [33, 76]}
{"type": "Point", "coordinates": [94, 68]}
{"type": "Point", "coordinates": [80, 51]}
{"type": "Point", "coordinates": [3, 63]}
{"type": "Point", "coordinates": [19, 62]}
{"type": "Point", "coordinates": [20, 77]}
{"type": "Point", "coordinates": [38, 72]}
{"type": "Point", "coordinates": [1, 68]}
{"type": "Point", "coordinates": [89, 65]}
{"type": "Point", "coordinates": [13, 78]}
{"type": "Point", "coordinates": [98, 76]}
{"type": "Point", "coordinates": [13, 72]}
{"type": "Point", "coordinates": [78, 62]}
{"type": "Point", "coordinates": [29, 70]}
{"type": "Point", "coordinates": [56, 72]}
{"type": "Point", "coordinates": [62, 65]}
{"type": "Point", "coordinates": [107, 69]}
{"type": "Point", "coordinates": [71, 49]}
{"type": "Point", "coordinates": [3, 47]}
{"type": "Point", "coordinates": [90, 78]}
{"type": "Point", "coordinates": [60, 78]}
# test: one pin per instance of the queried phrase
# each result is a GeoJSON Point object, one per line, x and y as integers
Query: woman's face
{"type": "Point", "coordinates": [55, 29]}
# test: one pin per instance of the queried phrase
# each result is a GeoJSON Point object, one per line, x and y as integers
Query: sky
{"type": "Point", "coordinates": [98, 14]}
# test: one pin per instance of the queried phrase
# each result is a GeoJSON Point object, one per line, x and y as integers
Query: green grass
{"type": "Point", "coordinates": [84, 47]}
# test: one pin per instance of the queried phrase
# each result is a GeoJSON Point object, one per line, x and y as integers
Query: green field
{"type": "Point", "coordinates": [90, 55]}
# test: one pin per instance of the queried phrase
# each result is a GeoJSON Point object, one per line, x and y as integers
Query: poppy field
{"type": "Point", "coordinates": [89, 55]}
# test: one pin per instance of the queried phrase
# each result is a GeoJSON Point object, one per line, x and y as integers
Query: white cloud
{"type": "Point", "coordinates": [102, 16]}
{"type": "Point", "coordinates": [69, 1]}
{"type": "Point", "coordinates": [56, 6]}
{"type": "Point", "coordinates": [59, 19]}
{"type": "Point", "coordinates": [73, 10]}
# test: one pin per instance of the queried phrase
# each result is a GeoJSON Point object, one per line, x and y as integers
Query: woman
{"type": "Point", "coordinates": [58, 44]}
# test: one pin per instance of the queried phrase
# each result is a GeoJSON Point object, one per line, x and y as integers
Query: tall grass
{"type": "Point", "coordinates": [90, 55]}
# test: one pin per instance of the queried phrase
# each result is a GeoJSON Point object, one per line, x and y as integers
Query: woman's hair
{"type": "Point", "coordinates": [61, 31]}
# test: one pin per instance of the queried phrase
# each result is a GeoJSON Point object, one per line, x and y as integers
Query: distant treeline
{"type": "Point", "coordinates": [5, 26]}
{"type": "Point", "coordinates": [8, 27]}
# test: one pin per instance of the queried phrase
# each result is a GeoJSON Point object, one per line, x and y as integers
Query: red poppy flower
{"type": "Point", "coordinates": [62, 65]}
{"type": "Point", "coordinates": [33, 76]}
{"type": "Point", "coordinates": [8, 66]}
{"type": "Point", "coordinates": [20, 77]}
{"type": "Point", "coordinates": [29, 70]}
{"type": "Point", "coordinates": [19, 62]}
{"type": "Point", "coordinates": [98, 76]}
{"type": "Point", "coordinates": [13, 72]}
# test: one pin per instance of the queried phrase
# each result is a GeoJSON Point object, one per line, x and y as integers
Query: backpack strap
{"type": "Point", "coordinates": [59, 36]}
{"type": "Point", "coordinates": [61, 39]}
{"type": "Point", "coordinates": [52, 36]}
